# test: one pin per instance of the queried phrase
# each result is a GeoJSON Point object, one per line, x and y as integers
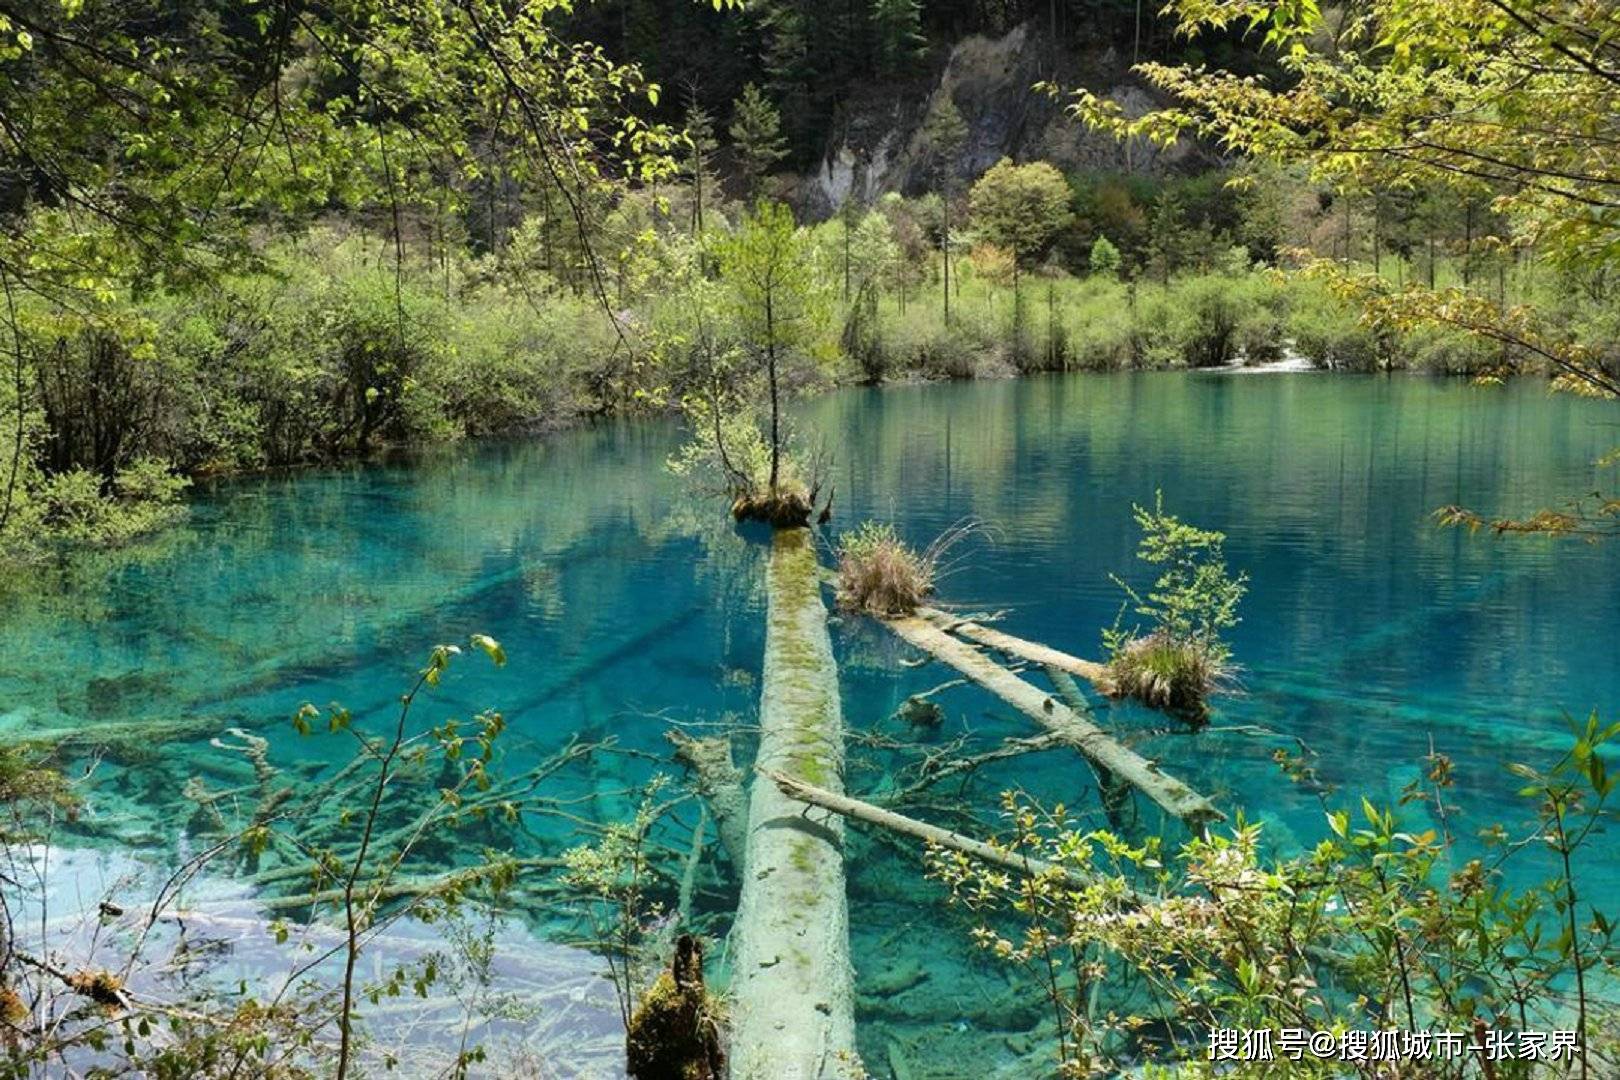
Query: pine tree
{"type": "Point", "coordinates": [1167, 236]}
{"type": "Point", "coordinates": [756, 136]}
{"type": "Point", "coordinates": [943, 133]}
{"type": "Point", "coordinates": [700, 132]}
{"type": "Point", "coordinates": [897, 34]}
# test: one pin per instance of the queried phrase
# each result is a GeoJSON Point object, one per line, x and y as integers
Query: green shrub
{"type": "Point", "coordinates": [1097, 325]}
{"type": "Point", "coordinates": [1446, 351]}
{"type": "Point", "coordinates": [920, 343]}
{"type": "Point", "coordinates": [1162, 329]}
{"type": "Point", "coordinates": [78, 507]}
{"type": "Point", "coordinates": [1158, 670]}
{"type": "Point", "coordinates": [1262, 318]}
{"type": "Point", "coordinates": [1181, 658]}
{"type": "Point", "coordinates": [1395, 918]}
{"type": "Point", "coordinates": [1329, 334]}
{"type": "Point", "coordinates": [1104, 260]}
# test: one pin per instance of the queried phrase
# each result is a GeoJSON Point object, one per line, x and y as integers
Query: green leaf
{"type": "Point", "coordinates": [1339, 822]}
{"type": "Point", "coordinates": [491, 647]}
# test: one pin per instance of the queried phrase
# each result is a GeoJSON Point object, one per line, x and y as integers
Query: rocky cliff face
{"type": "Point", "coordinates": [990, 81]}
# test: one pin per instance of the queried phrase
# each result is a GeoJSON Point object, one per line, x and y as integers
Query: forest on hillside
{"type": "Point", "coordinates": [328, 324]}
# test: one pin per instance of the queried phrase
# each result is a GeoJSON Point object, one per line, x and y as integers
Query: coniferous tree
{"type": "Point", "coordinates": [943, 134]}
{"type": "Point", "coordinates": [897, 34]}
{"type": "Point", "coordinates": [1167, 236]}
{"type": "Point", "coordinates": [1104, 260]}
{"type": "Point", "coordinates": [756, 136]}
{"type": "Point", "coordinates": [766, 265]}
{"type": "Point", "coordinates": [700, 132]}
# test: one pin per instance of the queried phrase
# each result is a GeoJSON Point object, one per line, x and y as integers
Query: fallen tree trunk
{"type": "Point", "coordinates": [845, 806]}
{"type": "Point", "coordinates": [1115, 793]}
{"type": "Point", "coordinates": [719, 783]}
{"type": "Point", "coordinates": [1033, 651]}
{"type": "Point", "coordinates": [1101, 750]}
{"type": "Point", "coordinates": [794, 1017]}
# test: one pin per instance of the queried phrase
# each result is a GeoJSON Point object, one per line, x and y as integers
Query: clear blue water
{"type": "Point", "coordinates": [625, 604]}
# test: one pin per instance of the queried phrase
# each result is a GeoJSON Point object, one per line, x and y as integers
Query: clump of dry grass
{"type": "Point", "coordinates": [1176, 675]}
{"type": "Point", "coordinates": [881, 574]}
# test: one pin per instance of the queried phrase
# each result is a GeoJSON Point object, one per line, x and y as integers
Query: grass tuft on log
{"type": "Point", "coordinates": [1165, 673]}
{"type": "Point", "coordinates": [880, 574]}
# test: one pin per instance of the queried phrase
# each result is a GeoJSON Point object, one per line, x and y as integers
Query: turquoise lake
{"type": "Point", "coordinates": [627, 605]}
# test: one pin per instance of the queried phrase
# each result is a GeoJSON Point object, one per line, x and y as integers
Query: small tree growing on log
{"type": "Point", "coordinates": [768, 269]}
{"type": "Point", "coordinates": [1182, 658]}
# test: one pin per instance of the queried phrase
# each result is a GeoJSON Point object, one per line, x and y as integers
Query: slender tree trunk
{"type": "Point", "coordinates": [22, 412]}
{"type": "Point", "coordinates": [1051, 324]}
{"type": "Point", "coordinates": [845, 216]}
{"type": "Point", "coordinates": [770, 362]}
{"type": "Point", "coordinates": [945, 251]}
{"type": "Point", "coordinates": [1468, 242]}
{"type": "Point", "coordinates": [1377, 238]}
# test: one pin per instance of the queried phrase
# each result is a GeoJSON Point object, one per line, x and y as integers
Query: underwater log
{"type": "Point", "coordinates": [844, 806]}
{"type": "Point", "coordinates": [1115, 793]}
{"type": "Point", "coordinates": [1121, 762]}
{"type": "Point", "coordinates": [1033, 651]}
{"type": "Point", "coordinates": [792, 983]}
{"type": "Point", "coordinates": [719, 783]}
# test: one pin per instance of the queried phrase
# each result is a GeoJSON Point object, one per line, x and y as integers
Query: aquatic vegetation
{"type": "Point", "coordinates": [742, 451]}
{"type": "Point", "coordinates": [1181, 659]}
{"type": "Point", "coordinates": [612, 878]}
{"type": "Point", "coordinates": [1175, 675]}
{"type": "Point", "coordinates": [787, 506]}
{"type": "Point", "coordinates": [881, 574]}
{"type": "Point", "coordinates": [346, 845]}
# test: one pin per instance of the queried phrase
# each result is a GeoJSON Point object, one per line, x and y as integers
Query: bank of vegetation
{"type": "Point", "coordinates": [342, 335]}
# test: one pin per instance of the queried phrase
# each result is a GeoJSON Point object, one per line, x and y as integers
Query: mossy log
{"type": "Point", "coordinates": [1098, 747]}
{"type": "Point", "coordinates": [142, 739]}
{"type": "Point", "coordinates": [1033, 651]}
{"type": "Point", "coordinates": [792, 983]}
{"type": "Point", "coordinates": [673, 1034]}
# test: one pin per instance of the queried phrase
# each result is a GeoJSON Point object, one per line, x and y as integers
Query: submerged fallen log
{"type": "Point", "coordinates": [845, 806]}
{"type": "Point", "coordinates": [933, 772]}
{"type": "Point", "coordinates": [1121, 762]}
{"type": "Point", "coordinates": [793, 986]}
{"type": "Point", "coordinates": [118, 739]}
{"type": "Point", "coordinates": [1033, 651]}
{"type": "Point", "coordinates": [1116, 794]}
{"type": "Point", "coordinates": [719, 783]}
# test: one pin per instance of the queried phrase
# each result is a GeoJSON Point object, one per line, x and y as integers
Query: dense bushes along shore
{"type": "Point", "coordinates": [334, 347]}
